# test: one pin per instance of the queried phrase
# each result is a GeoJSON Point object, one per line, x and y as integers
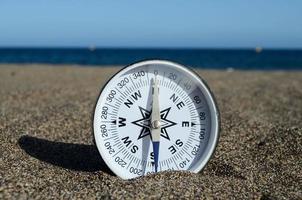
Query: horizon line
{"type": "Point", "coordinates": [150, 48]}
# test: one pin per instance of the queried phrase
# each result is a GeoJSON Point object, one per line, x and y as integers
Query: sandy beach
{"type": "Point", "coordinates": [46, 148]}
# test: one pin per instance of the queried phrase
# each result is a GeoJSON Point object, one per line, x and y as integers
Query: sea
{"type": "Point", "coordinates": [241, 59]}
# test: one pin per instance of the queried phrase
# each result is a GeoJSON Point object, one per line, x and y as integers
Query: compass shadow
{"type": "Point", "coordinates": [78, 157]}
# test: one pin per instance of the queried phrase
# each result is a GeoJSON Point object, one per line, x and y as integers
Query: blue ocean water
{"type": "Point", "coordinates": [247, 59]}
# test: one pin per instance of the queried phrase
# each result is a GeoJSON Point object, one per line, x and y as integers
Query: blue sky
{"type": "Point", "coordinates": [165, 23]}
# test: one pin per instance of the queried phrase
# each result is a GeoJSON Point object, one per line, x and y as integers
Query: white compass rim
{"type": "Point", "coordinates": [215, 118]}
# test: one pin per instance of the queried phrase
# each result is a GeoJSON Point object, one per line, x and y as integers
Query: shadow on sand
{"type": "Point", "coordinates": [79, 157]}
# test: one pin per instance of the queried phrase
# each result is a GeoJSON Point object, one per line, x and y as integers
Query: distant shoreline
{"type": "Point", "coordinates": [154, 48]}
{"type": "Point", "coordinates": [228, 70]}
{"type": "Point", "coordinates": [238, 59]}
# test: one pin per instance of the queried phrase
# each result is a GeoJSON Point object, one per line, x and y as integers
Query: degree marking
{"type": "Point", "coordinates": [120, 146]}
{"type": "Point", "coordinates": [192, 133]}
{"type": "Point", "coordinates": [178, 156]}
{"type": "Point", "coordinates": [168, 165]}
{"type": "Point", "coordinates": [130, 156]}
{"type": "Point", "coordinates": [135, 84]}
{"type": "Point", "coordinates": [117, 152]}
{"type": "Point", "coordinates": [130, 163]}
{"type": "Point", "coordinates": [191, 109]}
{"type": "Point", "coordinates": [184, 95]}
{"type": "Point", "coordinates": [164, 83]}
{"type": "Point", "coordinates": [195, 116]}
{"type": "Point", "coordinates": [199, 107]}
{"type": "Point", "coordinates": [111, 105]}
{"type": "Point", "coordinates": [189, 144]}
{"type": "Point", "coordinates": [170, 84]}
{"type": "Point", "coordinates": [136, 160]}
{"type": "Point", "coordinates": [160, 166]}
{"type": "Point", "coordinates": [119, 92]}
{"type": "Point", "coordinates": [166, 162]}
{"type": "Point", "coordinates": [178, 90]}
{"type": "Point", "coordinates": [106, 121]}
{"type": "Point", "coordinates": [190, 93]}
{"type": "Point", "coordinates": [186, 147]}
{"type": "Point", "coordinates": [128, 90]}
{"type": "Point", "coordinates": [188, 102]}
{"type": "Point", "coordinates": [126, 155]}
{"type": "Point", "coordinates": [114, 134]}
{"type": "Point", "coordinates": [109, 138]}
{"type": "Point", "coordinates": [189, 141]}
{"type": "Point", "coordinates": [116, 143]}
{"type": "Point", "coordinates": [190, 105]}
{"type": "Point", "coordinates": [175, 162]}
{"type": "Point", "coordinates": [114, 115]}
{"type": "Point", "coordinates": [113, 128]}
{"type": "Point", "coordinates": [175, 85]}
{"type": "Point", "coordinates": [132, 82]}
{"type": "Point", "coordinates": [167, 84]}
{"type": "Point", "coordinates": [139, 163]}
{"type": "Point", "coordinates": [196, 140]}
{"type": "Point", "coordinates": [188, 154]}
{"type": "Point", "coordinates": [181, 152]}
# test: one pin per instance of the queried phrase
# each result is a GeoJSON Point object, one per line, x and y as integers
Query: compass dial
{"type": "Point", "coordinates": [154, 116]}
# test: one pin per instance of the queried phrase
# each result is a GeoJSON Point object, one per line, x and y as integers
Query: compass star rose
{"type": "Point", "coordinates": [145, 123]}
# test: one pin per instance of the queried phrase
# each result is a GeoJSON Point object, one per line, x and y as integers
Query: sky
{"type": "Point", "coordinates": [156, 23]}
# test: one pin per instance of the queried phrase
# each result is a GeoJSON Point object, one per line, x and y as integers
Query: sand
{"type": "Point", "coordinates": [46, 148]}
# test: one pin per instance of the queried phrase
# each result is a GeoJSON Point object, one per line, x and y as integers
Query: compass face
{"type": "Point", "coordinates": [125, 123]}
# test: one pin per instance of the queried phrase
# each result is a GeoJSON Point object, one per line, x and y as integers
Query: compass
{"type": "Point", "coordinates": [155, 116]}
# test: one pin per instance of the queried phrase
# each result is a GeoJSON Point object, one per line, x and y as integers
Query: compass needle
{"type": "Point", "coordinates": [155, 116]}
{"type": "Point", "coordinates": [155, 122]}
